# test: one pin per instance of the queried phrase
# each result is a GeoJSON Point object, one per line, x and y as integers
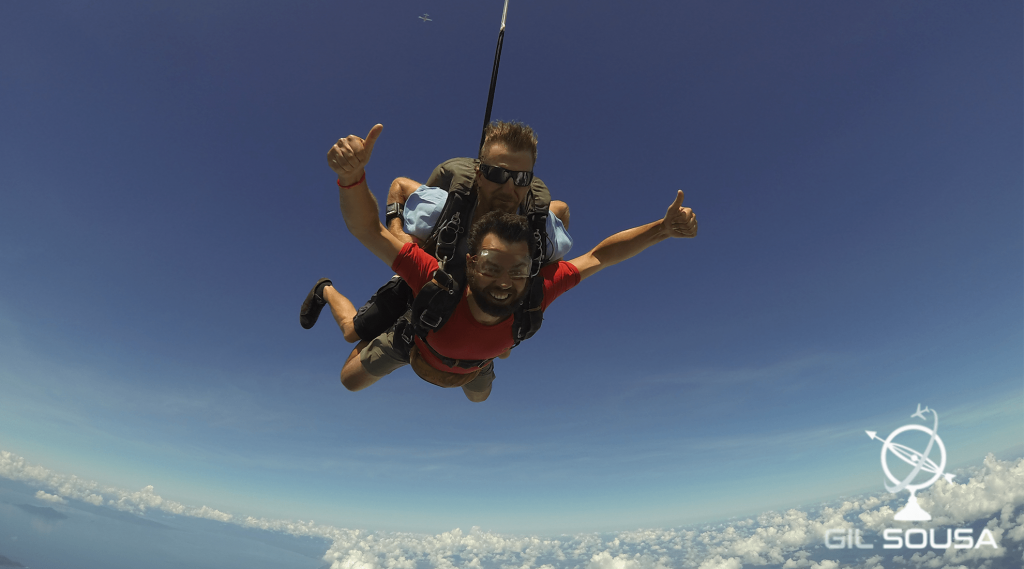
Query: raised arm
{"type": "Point", "coordinates": [348, 159]}
{"type": "Point", "coordinates": [678, 222]}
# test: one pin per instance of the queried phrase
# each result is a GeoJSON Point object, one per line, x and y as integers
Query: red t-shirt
{"type": "Point", "coordinates": [462, 337]}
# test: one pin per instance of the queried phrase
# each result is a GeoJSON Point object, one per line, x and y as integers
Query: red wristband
{"type": "Point", "coordinates": [359, 181]}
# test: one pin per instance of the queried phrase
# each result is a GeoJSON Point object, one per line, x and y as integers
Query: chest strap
{"type": "Point", "coordinates": [437, 299]}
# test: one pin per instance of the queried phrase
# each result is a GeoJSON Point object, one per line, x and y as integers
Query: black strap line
{"type": "Point", "coordinates": [494, 76]}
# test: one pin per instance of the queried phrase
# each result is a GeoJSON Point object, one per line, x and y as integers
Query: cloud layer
{"type": "Point", "coordinates": [991, 498]}
{"type": "Point", "coordinates": [72, 487]}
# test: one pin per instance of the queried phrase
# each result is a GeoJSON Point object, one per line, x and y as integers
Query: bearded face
{"type": "Point", "coordinates": [493, 298]}
{"type": "Point", "coordinates": [497, 276]}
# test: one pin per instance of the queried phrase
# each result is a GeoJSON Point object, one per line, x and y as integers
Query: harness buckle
{"type": "Point", "coordinates": [447, 236]}
{"type": "Point", "coordinates": [430, 320]}
{"type": "Point", "coordinates": [444, 280]}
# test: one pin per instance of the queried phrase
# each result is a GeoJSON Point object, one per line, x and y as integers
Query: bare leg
{"type": "Point", "coordinates": [353, 375]}
{"type": "Point", "coordinates": [344, 312]}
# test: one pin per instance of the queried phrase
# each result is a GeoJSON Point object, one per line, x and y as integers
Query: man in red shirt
{"type": "Point", "coordinates": [498, 268]}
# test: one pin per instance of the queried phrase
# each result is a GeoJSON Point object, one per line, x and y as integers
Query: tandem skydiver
{"type": "Point", "coordinates": [485, 313]}
{"type": "Point", "coordinates": [502, 179]}
{"type": "Point", "coordinates": [414, 209]}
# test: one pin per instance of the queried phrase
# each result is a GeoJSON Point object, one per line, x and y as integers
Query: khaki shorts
{"type": "Point", "coordinates": [381, 357]}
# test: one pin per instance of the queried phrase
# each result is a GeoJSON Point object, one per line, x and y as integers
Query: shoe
{"type": "Point", "coordinates": [313, 304]}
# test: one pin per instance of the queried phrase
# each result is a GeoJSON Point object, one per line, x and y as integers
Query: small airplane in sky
{"type": "Point", "coordinates": [426, 18]}
{"type": "Point", "coordinates": [920, 412]}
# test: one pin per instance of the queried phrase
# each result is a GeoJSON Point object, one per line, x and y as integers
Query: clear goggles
{"type": "Point", "coordinates": [494, 264]}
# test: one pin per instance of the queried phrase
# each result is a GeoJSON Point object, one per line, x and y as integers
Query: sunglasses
{"type": "Point", "coordinates": [499, 175]}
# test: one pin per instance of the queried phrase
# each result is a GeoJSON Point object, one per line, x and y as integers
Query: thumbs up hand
{"type": "Point", "coordinates": [349, 156]}
{"type": "Point", "coordinates": [679, 221]}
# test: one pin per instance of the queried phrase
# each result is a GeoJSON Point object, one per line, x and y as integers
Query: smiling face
{"type": "Point", "coordinates": [498, 274]}
{"type": "Point", "coordinates": [502, 197]}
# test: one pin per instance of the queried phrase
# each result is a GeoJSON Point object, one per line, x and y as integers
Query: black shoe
{"type": "Point", "coordinates": [313, 304]}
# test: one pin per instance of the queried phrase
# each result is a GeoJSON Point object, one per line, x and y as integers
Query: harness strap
{"type": "Point", "coordinates": [436, 301]}
{"type": "Point", "coordinates": [452, 224]}
{"type": "Point", "coordinates": [406, 331]}
{"type": "Point", "coordinates": [438, 298]}
{"type": "Point", "coordinates": [463, 364]}
{"type": "Point", "coordinates": [529, 316]}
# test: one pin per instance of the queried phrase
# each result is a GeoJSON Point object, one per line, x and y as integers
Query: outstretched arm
{"type": "Point", "coordinates": [348, 159]}
{"type": "Point", "coordinates": [678, 222]}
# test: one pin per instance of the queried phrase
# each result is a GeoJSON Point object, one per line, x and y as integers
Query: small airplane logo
{"type": "Point", "coordinates": [920, 412]}
{"type": "Point", "coordinates": [426, 18]}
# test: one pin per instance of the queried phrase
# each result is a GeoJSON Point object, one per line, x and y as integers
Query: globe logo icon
{"type": "Point", "coordinates": [919, 462]}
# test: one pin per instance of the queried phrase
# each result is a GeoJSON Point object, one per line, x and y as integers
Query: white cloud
{"type": "Point", "coordinates": [999, 486]}
{"type": "Point", "coordinates": [1015, 531]}
{"type": "Point", "coordinates": [991, 495]}
{"type": "Point", "coordinates": [604, 560]}
{"type": "Point", "coordinates": [873, 562]}
{"type": "Point", "coordinates": [71, 487]}
{"type": "Point", "coordinates": [879, 519]}
{"type": "Point", "coordinates": [718, 562]}
{"type": "Point", "coordinates": [40, 495]}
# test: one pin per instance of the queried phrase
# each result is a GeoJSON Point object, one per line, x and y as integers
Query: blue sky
{"type": "Point", "coordinates": [166, 206]}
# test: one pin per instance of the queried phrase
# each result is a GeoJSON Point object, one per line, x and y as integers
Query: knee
{"type": "Point", "coordinates": [400, 189]}
{"type": "Point", "coordinates": [477, 396]}
{"type": "Point", "coordinates": [353, 375]}
{"type": "Point", "coordinates": [356, 381]}
{"type": "Point", "coordinates": [347, 382]}
{"type": "Point", "coordinates": [560, 210]}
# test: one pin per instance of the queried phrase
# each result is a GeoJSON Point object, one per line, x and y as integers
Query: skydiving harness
{"type": "Point", "coordinates": [437, 299]}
